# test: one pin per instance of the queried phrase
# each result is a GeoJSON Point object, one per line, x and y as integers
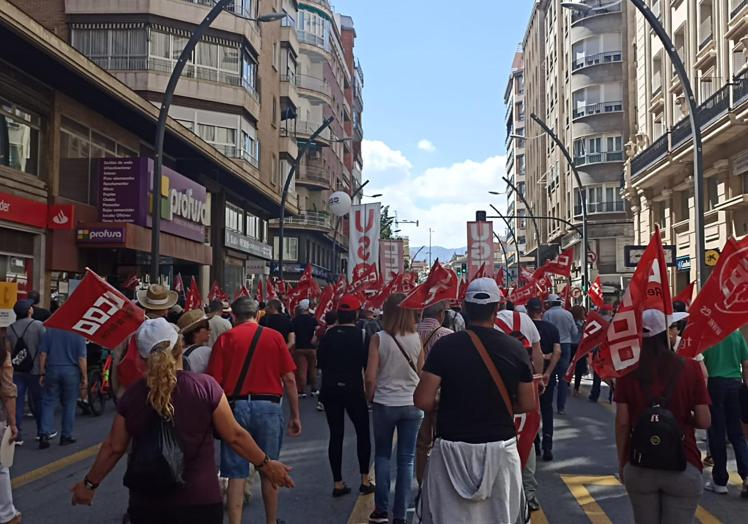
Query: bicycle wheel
{"type": "Point", "coordinates": [96, 399]}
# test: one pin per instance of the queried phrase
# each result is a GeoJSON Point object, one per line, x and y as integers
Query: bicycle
{"type": "Point", "coordinates": [99, 384]}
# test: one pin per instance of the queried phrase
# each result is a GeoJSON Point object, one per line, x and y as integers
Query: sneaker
{"type": "Point", "coordinates": [320, 406]}
{"type": "Point", "coordinates": [18, 442]}
{"type": "Point", "coordinates": [315, 392]}
{"type": "Point", "coordinates": [64, 441]}
{"type": "Point", "coordinates": [51, 436]}
{"type": "Point", "coordinates": [547, 455]}
{"type": "Point", "coordinates": [302, 395]}
{"type": "Point", "coordinates": [716, 488]}
{"type": "Point", "coordinates": [562, 412]}
{"type": "Point", "coordinates": [379, 517]}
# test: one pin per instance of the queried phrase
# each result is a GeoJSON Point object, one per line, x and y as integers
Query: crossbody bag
{"type": "Point", "coordinates": [245, 367]}
{"type": "Point", "coordinates": [405, 354]}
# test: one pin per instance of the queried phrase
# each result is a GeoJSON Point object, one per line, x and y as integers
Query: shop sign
{"type": "Point", "coordinates": [102, 235]}
{"type": "Point", "coordinates": [61, 216]}
{"type": "Point", "coordinates": [683, 263]}
{"type": "Point", "coordinates": [632, 255]}
{"type": "Point", "coordinates": [8, 298]}
{"type": "Point", "coordinates": [124, 196]}
{"type": "Point", "coordinates": [711, 257]}
{"type": "Point", "coordinates": [257, 267]}
{"type": "Point", "coordinates": [22, 210]}
{"type": "Point", "coordinates": [247, 244]}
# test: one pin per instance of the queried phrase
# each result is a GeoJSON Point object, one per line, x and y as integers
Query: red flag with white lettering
{"type": "Point", "coordinates": [216, 293]}
{"type": "Point", "coordinates": [259, 295]}
{"type": "Point", "coordinates": [686, 295]}
{"type": "Point", "coordinates": [364, 277]}
{"type": "Point", "coordinates": [648, 289]}
{"type": "Point", "coordinates": [593, 335]}
{"type": "Point", "coordinates": [132, 282]}
{"type": "Point", "coordinates": [326, 302]}
{"type": "Point", "coordinates": [98, 312]}
{"type": "Point", "coordinates": [193, 300]}
{"type": "Point", "coordinates": [722, 305]}
{"type": "Point", "coordinates": [561, 265]}
{"type": "Point", "coordinates": [178, 284]}
{"type": "Point", "coordinates": [270, 289]}
{"type": "Point", "coordinates": [500, 278]}
{"type": "Point", "coordinates": [441, 284]}
{"type": "Point", "coordinates": [241, 292]}
{"type": "Point", "coordinates": [527, 425]}
{"type": "Point", "coordinates": [525, 275]}
{"type": "Point", "coordinates": [596, 293]}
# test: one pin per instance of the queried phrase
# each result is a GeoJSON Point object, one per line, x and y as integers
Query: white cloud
{"type": "Point", "coordinates": [443, 198]}
{"type": "Point", "coordinates": [426, 145]}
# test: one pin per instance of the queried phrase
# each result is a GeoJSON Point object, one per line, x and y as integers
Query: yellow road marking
{"type": "Point", "coordinates": [576, 485]}
{"type": "Point", "coordinates": [362, 509]}
{"type": "Point", "coordinates": [538, 517]}
{"type": "Point", "coordinates": [54, 467]}
{"type": "Point", "coordinates": [735, 479]}
{"type": "Point", "coordinates": [705, 517]}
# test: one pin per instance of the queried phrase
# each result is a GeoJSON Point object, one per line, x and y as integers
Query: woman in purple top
{"type": "Point", "coordinates": [198, 408]}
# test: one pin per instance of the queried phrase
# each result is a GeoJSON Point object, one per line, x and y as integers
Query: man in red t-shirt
{"type": "Point", "coordinates": [256, 403]}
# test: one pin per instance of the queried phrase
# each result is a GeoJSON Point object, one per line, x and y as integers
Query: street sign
{"type": "Point", "coordinates": [711, 257]}
{"type": "Point", "coordinates": [576, 292]}
{"type": "Point", "coordinates": [683, 263]}
{"type": "Point", "coordinates": [632, 255]}
{"type": "Point", "coordinates": [591, 257]}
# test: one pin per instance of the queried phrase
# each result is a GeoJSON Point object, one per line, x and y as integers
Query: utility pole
{"type": "Point", "coordinates": [430, 231]}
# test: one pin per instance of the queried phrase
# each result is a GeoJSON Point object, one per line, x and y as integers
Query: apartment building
{"type": "Point", "coordinates": [576, 80]}
{"type": "Point", "coordinates": [515, 120]}
{"type": "Point", "coordinates": [329, 80]}
{"type": "Point", "coordinates": [711, 37]}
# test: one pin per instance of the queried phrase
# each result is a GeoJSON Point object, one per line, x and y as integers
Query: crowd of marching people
{"type": "Point", "coordinates": [463, 394]}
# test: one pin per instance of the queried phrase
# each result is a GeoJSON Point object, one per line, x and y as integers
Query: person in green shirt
{"type": "Point", "coordinates": [727, 364]}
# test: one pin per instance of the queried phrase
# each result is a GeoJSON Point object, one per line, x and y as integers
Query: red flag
{"type": "Point", "coordinates": [326, 302]}
{"type": "Point", "coordinates": [364, 277]}
{"type": "Point", "coordinates": [527, 425]}
{"type": "Point", "coordinates": [441, 284]}
{"type": "Point", "coordinates": [561, 265]}
{"type": "Point", "coordinates": [241, 292]}
{"type": "Point", "coordinates": [179, 284]}
{"type": "Point", "coordinates": [271, 294]}
{"type": "Point", "coordinates": [98, 312]}
{"type": "Point", "coordinates": [525, 274]}
{"type": "Point", "coordinates": [216, 293]}
{"type": "Point", "coordinates": [593, 335]}
{"type": "Point", "coordinates": [259, 295]}
{"type": "Point", "coordinates": [132, 282]}
{"type": "Point", "coordinates": [686, 295]}
{"type": "Point", "coordinates": [722, 305]}
{"type": "Point", "coordinates": [521, 296]}
{"type": "Point", "coordinates": [566, 296]}
{"type": "Point", "coordinates": [193, 300]}
{"type": "Point", "coordinates": [596, 293]}
{"type": "Point", "coordinates": [500, 278]}
{"type": "Point", "coordinates": [481, 273]}
{"type": "Point", "coordinates": [282, 287]}
{"type": "Point", "coordinates": [648, 289]}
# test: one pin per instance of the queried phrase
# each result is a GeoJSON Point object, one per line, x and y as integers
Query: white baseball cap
{"type": "Point", "coordinates": [678, 316]}
{"type": "Point", "coordinates": [653, 323]}
{"type": "Point", "coordinates": [483, 291]}
{"type": "Point", "coordinates": [304, 304]}
{"type": "Point", "coordinates": [153, 332]}
{"type": "Point", "coordinates": [554, 298]}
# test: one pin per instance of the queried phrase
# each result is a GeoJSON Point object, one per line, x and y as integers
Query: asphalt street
{"type": "Point", "coordinates": [580, 485]}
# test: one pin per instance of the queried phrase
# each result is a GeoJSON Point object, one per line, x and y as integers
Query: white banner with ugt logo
{"type": "Point", "coordinates": [364, 236]}
{"type": "Point", "coordinates": [480, 248]}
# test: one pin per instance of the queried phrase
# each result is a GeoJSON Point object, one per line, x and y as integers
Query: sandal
{"type": "Point", "coordinates": [367, 489]}
{"type": "Point", "coordinates": [339, 492]}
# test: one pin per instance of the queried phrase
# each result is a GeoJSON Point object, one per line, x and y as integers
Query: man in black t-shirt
{"type": "Point", "coordinates": [305, 354]}
{"type": "Point", "coordinates": [550, 344]}
{"type": "Point", "coordinates": [474, 430]}
{"type": "Point", "coordinates": [275, 319]}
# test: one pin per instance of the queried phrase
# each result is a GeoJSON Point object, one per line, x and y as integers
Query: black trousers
{"type": "Point", "coordinates": [337, 402]}
{"type": "Point", "coordinates": [204, 514]}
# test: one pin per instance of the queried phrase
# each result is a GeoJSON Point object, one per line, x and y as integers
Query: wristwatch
{"type": "Point", "coordinates": [262, 464]}
{"type": "Point", "coordinates": [89, 485]}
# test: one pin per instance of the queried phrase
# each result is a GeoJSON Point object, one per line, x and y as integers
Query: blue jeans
{"type": "Point", "coordinates": [407, 420]}
{"type": "Point", "coordinates": [725, 408]}
{"type": "Point", "coordinates": [28, 382]}
{"type": "Point", "coordinates": [264, 421]}
{"type": "Point", "coordinates": [560, 371]}
{"type": "Point", "coordinates": [61, 384]}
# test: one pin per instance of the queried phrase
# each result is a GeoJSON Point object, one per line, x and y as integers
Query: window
{"type": "Point", "coordinates": [19, 138]}
{"type": "Point", "coordinates": [222, 138]}
{"type": "Point", "coordinates": [712, 193]}
{"type": "Point", "coordinates": [591, 150]}
{"type": "Point", "coordinates": [255, 227]}
{"type": "Point", "coordinates": [250, 149]}
{"type": "Point", "coordinates": [600, 199]}
{"type": "Point", "coordinates": [234, 218]}
{"type": "Point", "coordinates": [80, 151]}
{"type": "Point", "coordinates": [114, 48]}
{"type": "Point", "coordinates": [291, 248]}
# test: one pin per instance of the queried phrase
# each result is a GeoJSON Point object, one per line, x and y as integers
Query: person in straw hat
{"type": "Point", "coordinates": [195, 329]}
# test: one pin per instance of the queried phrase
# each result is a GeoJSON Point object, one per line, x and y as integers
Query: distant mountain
{"type": "Point", "coordinates": [442, 253]}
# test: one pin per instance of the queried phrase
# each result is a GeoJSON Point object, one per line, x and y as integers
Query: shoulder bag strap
{"type": "Point", "coordinates": [189, 350]}
{"type": "Point", "coordinates": [501, 323]}
{"type": "Point", "coordinates": [492, 371]}
{"type": "Point", "coordinates": [428, 339]}
{"type": "Point", "coordinates": [405, 354]}
{"type": "Point", "coordinates": [247, 362]}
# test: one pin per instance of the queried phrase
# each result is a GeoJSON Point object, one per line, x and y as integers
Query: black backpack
{"type": "Point", "coordinates": [657, 439]}
{"type": "Point", "coordinates": [156, 463]}
{"type": "Point", "coordinates": [21, 357]}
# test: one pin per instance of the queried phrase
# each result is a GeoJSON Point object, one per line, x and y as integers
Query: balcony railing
{"type": "Point", "coordinates": [314, 219]}
{"type": "Point", "coordinates": [312, 39]}
{"type": "Point", "coordinates": [306, 127]}
{"type": "Point", "coordinates": [314, 84]}
{"type": "Point", "coordinates": [291, 78]}
{"type": "Point", "coordinates": [740, 87]}
{"type": "Point", "coordinates": [601, 207]}
{"type": "Point", "coordinates": [238, 8]}
{"type": "Point", "coordinates": [598, 158]}
{"type": "Point", "coordinates": [705, 32]}
{"type": "Point", "coordinates": [736, 6]}
{"type": "Point", "coordinates": [598, 108]}
{"type": "Point", "coordinates": [604, 10]}
{"type": "Point", "coordinates": [608, 57]}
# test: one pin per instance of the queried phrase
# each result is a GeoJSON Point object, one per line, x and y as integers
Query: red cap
{"type": "Point", "coordinates": [349, 303]}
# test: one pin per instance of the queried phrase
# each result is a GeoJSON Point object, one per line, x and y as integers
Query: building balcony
{"type": "Point", "coordinates": [314, 174]}
{"type": "Point", "coordinates": [578, 16]}
{"type": "Point", "coordinates": [312, 86]}
{"type": "Point", "coordinates": [288, 145]}
{"type": "Point", "coordinates": [314, 220]}
{"type": "Point", "coordinates": [608, 57]}
{"type": "Point", "coordinates": [289, 90]}
{"type": "Point", "coordinates": [736, 6]}
{"type": "Point", "coordinates": [598, 158]}
{"type": "Point", "coordinates": [288, 33]}
{"type": "Point", "coordinates": [594, 208]}
{"type": "Point", "coordinates": [597, 109]}
{"type": "Point", "coordinates": [314, 43]}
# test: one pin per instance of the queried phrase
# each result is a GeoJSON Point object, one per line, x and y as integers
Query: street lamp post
{"type": "Point", "coordinates": [582, 197]}
{"type": "Point", "coordinates": [698, 153]}
{"type": "Point", "coordinates": [514, 237]}
{"type": "Point", "coordinates": [532, 217]}
{"type": "Point", "coordinates": [286, 186]}
{"type": "Point", "coordinates": [163, 114]}
{"type": "Point", "coordinates": [503, 250]}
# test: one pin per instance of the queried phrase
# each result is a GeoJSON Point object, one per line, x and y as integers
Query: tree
{"type": "Point", "coordinates": [385, 223]}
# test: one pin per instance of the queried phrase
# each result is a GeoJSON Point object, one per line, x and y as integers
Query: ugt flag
{"type": "Point", "coordinates": [441, 284]}
{"type": "Point", "coordinates": [722, 305]}
{"type": "Point", "coordinates": [98, 312]}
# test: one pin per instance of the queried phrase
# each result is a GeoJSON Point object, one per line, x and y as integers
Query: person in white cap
{"type": "Point", "coordinates": [567, 329]}
{"type": "Point", "coordinates": [490, 372]}
{"type": "Point", "coordinates": [197, 408]}
{"type": "Point", "coordinates": [658, 407]}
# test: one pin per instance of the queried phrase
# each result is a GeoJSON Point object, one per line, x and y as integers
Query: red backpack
{"type": "Point", "coordinates": [131, 368]}
{"type": "Point", "coordinates": [515, 330]}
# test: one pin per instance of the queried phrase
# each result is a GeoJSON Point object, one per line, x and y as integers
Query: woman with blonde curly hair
{"type": "Point", "coordinates": [195, 407]}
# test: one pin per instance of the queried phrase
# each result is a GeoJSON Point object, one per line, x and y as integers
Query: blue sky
{"type": "Point", "coordinates": [435, 76]}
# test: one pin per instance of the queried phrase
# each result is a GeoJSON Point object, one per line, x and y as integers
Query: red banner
{"type": "Point", "coordinates": [596, 293]}
{"type": "Point", "coordinates": [686, 295]}
{"type": "Point", "coordinates": [391, 258]}
{"type": "Point", "coordinates": [441, 284]}
{"type": "Point", "coordinates": [259, 294]}
{"type": "Point", "coordinates": [193, 300]}
{"type": "Point", "coordinates": [593, 335]}
{"type": "Point", "coordinates": [528, 424]}
{"type": "Point", "coordinates": [480, 248]}
{"type": "Point", "coordinates": [722, 305]}
{"type": "Point", "coordinates": [326, 302]}
{"type": "Point", "coordinates": [500, 278]}
{"type": "Point", "coordinates": [178, 284]}
{"type": "Point", "coordinates": [98, 312]}
{"type": "Point", "coordinates": [271, 294]}
{"type": "Point", "coordinates": [364, 237]}
{"type": "Point", "coordinates": [648, 289]}
{"type": "Point", "coordinates": [561, 265]}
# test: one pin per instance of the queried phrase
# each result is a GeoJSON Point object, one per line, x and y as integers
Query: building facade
{"type": "Point", "coordinates": [516, 167]}
{"type": "Point", "coordinates": [711, 37]}
{"type": "Point", "coordinates": [576, 80]}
